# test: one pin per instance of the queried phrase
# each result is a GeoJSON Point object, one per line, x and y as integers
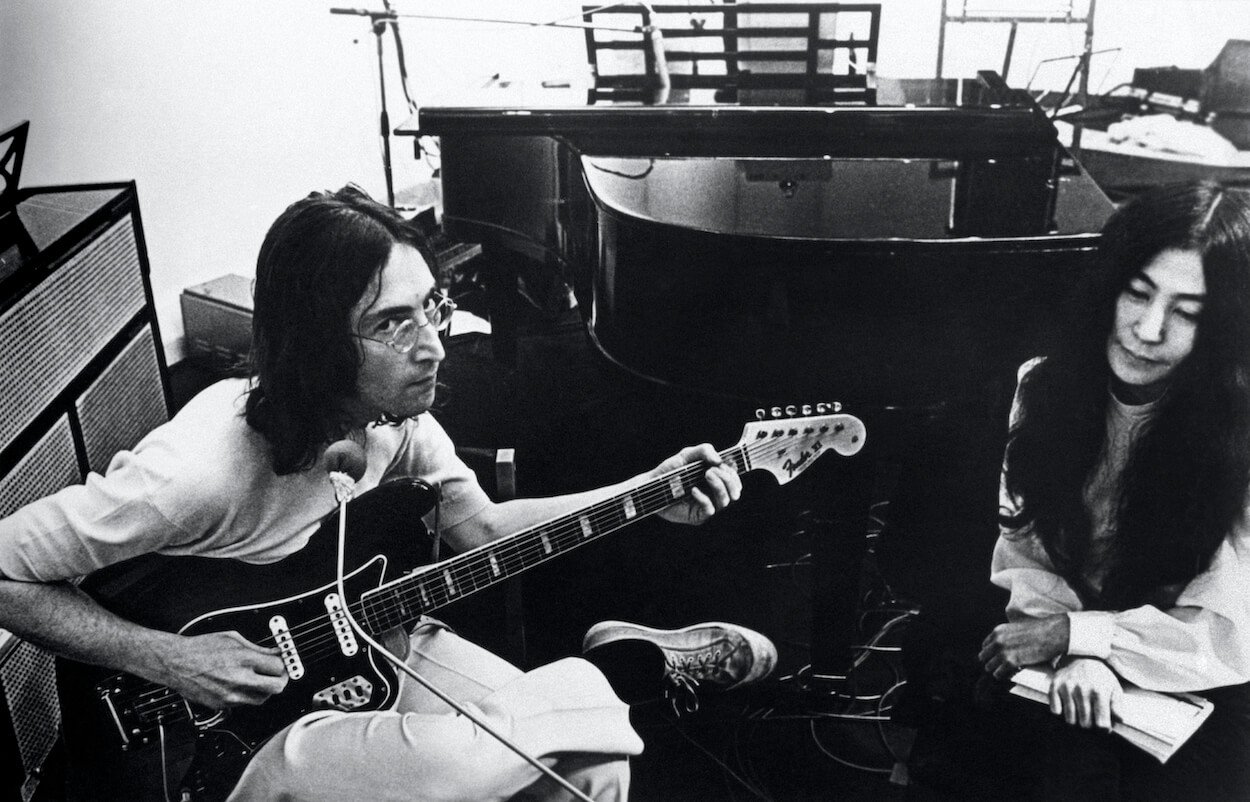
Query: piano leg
{"type": "Point", "coordinates": [500, 284]}
{"type": "Point", "coordinates": [839, 547]}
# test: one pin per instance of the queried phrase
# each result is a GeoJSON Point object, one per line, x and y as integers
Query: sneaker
{"type": "Point", "coordinates": [717, 654]}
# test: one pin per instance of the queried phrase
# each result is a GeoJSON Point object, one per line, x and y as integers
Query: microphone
{"type": "Point", "coordinates": [364, 12]}
{"type": "Point", "coordinates": [655, 38]}
{"type": "Point", "coordinates": [345, 464]}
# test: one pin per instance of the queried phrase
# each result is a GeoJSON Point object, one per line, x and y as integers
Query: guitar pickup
{"type": "Point", "coordinates": [286, 647]}
{"type": "Point", "coordinates": [342, 627]}
{"type": "Point", "coordinates": [350, 694]}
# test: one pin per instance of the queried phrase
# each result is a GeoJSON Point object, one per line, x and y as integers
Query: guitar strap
{"type": "Point", "coordinates": [436, 534]}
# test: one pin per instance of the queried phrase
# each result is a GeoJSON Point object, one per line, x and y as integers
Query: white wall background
{"type": "Point", "coordinates": [225, 111]}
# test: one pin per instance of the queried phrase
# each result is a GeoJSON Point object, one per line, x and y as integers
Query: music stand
{"type": "Point", "coordinates": [13, 150]}
{"type": "Point", "coordinates": [751, 53]}
{"type": "Point", "coordinates": [15, 240]}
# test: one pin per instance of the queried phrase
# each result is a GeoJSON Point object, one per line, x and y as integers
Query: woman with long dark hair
{"type": "Point", "coordinates": [1125, 539]}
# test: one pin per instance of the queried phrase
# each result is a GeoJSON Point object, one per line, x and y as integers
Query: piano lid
{"type": "Point", "coordinates": [917, 118]}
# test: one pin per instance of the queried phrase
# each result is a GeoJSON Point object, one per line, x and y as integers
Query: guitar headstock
{"type": "Point", "coordinates": [785, 446]}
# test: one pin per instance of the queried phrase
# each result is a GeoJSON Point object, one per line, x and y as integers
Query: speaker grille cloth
{"type": "Point", "coordinates": [125, 403]}
{"type": "Point", "coordinates": [46, 468]}
{"type": "Point", "coordinates": [53, 331]}
{"type": "Point", "coordinates": [30, 689]}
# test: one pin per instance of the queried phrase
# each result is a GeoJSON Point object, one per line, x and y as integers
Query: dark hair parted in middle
{"type": "Point", "coordinates": [1184, 485]}
{"type": "Point", "coordinates": [315, 264]}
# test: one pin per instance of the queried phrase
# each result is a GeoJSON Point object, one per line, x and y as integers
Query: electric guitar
{"type": "Point", "coordinates": [137, 739]}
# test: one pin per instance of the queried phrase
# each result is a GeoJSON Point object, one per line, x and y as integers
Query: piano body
{"type": "Point", "coordinates": [899, 255]}
{"type": "Point", "coordinates": [889, 254]}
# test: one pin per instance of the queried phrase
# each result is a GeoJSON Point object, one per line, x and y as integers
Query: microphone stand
{"type": "Point", "coordinates": [378, 21]}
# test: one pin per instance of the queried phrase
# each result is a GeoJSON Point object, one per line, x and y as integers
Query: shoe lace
{"type": "Point", "coordinates": [684, 673]}
{"type": "Point", "coordinates": [682, 693]}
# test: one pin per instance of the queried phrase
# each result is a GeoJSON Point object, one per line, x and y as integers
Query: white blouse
{"type": "Point", "coordinates": [1201, 641]}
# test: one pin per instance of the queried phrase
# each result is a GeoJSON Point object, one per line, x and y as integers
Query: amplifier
{"type": "Point", "coordinates": [32, 718]}
{"type": "Point", "coordinates": [1183, 83]}
{"type": "Point", "coordinates": [82, 375]}
{"type": "Point", "coordinates": [217, 318]}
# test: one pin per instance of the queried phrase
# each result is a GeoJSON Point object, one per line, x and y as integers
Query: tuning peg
{"type": "Point", "coordinates": [794, 410]}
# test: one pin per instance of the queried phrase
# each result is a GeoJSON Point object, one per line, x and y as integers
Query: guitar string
{"type": "Point", "coordinates": [563, 534]}
{"type": "Point", "coordinates": [526, 543]}
{"type": "Point", "coordinates": [541, 542]}
{"type": "Point", "coordinates": [552, 539]}
{"type": "Point", "coordinates": [473, 567]}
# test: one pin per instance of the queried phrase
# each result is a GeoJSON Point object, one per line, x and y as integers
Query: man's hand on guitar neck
{"type": "Point", "coordinates": [721, 485]}
{"type": "Point", "coordinates": [217, 669]}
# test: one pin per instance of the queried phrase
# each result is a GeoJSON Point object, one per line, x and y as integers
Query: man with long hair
{"type": "Point", "coordinates": [347, 346]}
{"type": "Point", "coordinates": [1125, 542]}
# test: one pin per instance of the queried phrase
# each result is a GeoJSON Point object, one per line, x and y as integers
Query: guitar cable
{"type": "Point", "coordinates": [344, 490]}
{"type": "Point", "coordinates": [160, 731]}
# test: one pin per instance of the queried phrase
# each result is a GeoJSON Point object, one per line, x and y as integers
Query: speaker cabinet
{"type": "Point", "coordinates": [82, 376]}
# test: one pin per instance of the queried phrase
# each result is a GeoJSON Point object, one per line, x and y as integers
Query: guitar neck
{"type": "Point", "coordinates": [402, 601]}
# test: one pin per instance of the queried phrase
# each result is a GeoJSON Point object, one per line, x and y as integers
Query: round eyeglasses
{"type": "Point", "coordinates": [402, 336]}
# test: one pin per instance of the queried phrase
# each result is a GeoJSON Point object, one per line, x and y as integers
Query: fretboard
{"type": "Point", "coordinates": [401, 601]}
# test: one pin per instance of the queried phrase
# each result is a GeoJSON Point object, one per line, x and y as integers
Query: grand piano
{"type": "Point", "coordinates": [900, 253]}
{"type": "Point", "coordinates": [890, 253]}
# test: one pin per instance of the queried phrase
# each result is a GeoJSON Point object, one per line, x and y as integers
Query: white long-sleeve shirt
{"type": "Point", "coordinates": [1200, 641]}
{"type": "Point", "coordinates": [203, 484]}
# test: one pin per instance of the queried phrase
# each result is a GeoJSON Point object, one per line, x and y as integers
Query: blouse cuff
{"type": "Point", "coordinates": [1089, 633]}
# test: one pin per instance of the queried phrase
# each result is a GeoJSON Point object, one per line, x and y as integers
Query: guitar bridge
{"type": "Point", "coordinates": [350, 694]}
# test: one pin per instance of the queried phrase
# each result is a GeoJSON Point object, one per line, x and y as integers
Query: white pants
{"type": "Point", "coordinates": [564, 713]}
